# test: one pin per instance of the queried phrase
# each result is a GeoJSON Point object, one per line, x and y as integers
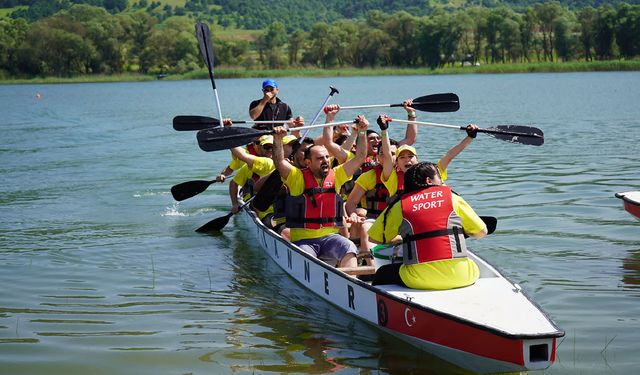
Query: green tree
{"type": "Point", "coordinates": [405, 29]}
{"type": "Point", "coordinates": [12, 36]}
{"type": "Point", "coordinates": [628, 30]}
{"type": "Point", "coordinates": [320, 42]}
{"type": "Point", "coordinates": [564, 40]}
{"type": "Point", "coordinates": [269, 45]}
{"type": "Point", "coordinates": [604, 32]}
{"type": "Point", "coordinates": [546, 13]}
{"type": "Point", "coordinates": [587, 20]}
{"type": "Point", "coordinates": [297, 40]}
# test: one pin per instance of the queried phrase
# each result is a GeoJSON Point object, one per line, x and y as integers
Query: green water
{"type": "Point", "coordinates": [102, 273]}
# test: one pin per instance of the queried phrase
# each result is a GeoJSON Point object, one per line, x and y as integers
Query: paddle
{"type": "Point", "coordinates": [190, 189]}
{"type": "Point", "coordinates": [217, 224]}
{"type": "Point", "coordinates": [526, 135]}
{"type": "Point", "coordinates": [206, 49]}
{"type": "Point", "coordinates": [188, 123]}
{"type": "Point", "coordinates": [448, 102]}
{"type": "Point", "coordinates": [224, 138]}
{"type": "Point", "coordinates": [322, 109]}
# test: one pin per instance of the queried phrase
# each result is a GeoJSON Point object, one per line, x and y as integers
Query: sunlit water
{"type": "Point", "coordinates": [102, 273]}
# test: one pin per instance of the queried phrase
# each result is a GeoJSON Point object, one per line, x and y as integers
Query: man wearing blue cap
{"type": "Point", "coordinates": [270, 107]}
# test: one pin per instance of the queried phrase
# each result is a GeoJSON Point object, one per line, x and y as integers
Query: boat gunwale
{"type": "Point", "coordinates": [558, 333]}
{"type": "Point", "coordinates": [627, 199]}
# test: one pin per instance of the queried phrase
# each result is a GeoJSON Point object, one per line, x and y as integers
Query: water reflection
{"type": "Point", "coordinates": [631, 269]}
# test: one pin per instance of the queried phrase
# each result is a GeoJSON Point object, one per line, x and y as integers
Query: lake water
{"type": "Point", "coordinates": [102, 273]}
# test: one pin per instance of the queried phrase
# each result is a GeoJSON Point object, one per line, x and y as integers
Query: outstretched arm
{"type": "Point", "coordinates": [387, 158]}
{"type": "Point", "coordinates": [352, 165]}
{"type": "Point", "coordinates": [282, 165]}
{"type": "Point", "coordinates": [327, 136]}
{"type": "Point", "coordinates": [472, 131]}
{"type": "Point", "coordinates": [411, 134]}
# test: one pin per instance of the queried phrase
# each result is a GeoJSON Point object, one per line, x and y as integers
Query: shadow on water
{"type": "Point", "coordinates": [280, 327]}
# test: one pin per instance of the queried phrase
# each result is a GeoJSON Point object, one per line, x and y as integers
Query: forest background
{"type": "Point", "coordinates": [141, 39]}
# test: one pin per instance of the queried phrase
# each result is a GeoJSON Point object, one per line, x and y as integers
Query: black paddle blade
{"type": "Point", "coordinates": [189, 189]}
{"type": "Point", "coordinates": [188, 123]}
{"type": "Point", "coordinates": [526, 135]}
{"type": "Point", "coordinates": [448, 102]}
{"type": "Point", "coordinates": [224, 138]}
{"type": "Point", "coordinates": [215, 225]}
{"type": "Point", "coordinates": [268, 192]}
{"type": "Point", "coordinates": [204, 41]}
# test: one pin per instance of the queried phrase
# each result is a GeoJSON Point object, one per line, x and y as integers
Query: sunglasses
{"type": "Point", "coordinates": [267, 147]}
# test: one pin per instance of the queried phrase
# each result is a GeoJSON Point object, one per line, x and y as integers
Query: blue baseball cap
{"type": "Point", "coordinates": [269, 82]}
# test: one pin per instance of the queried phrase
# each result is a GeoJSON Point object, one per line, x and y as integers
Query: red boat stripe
{"type": "Point", "coordinates": [454, 334]}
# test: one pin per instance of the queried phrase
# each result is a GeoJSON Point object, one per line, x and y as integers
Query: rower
{"type": "Point", "coordinates": [314, 206]}
{"type": "Point", "coordinates": [432, 221]}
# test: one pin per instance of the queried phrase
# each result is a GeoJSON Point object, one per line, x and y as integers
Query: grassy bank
{"type": "Point", "coordinates": [222, 72]}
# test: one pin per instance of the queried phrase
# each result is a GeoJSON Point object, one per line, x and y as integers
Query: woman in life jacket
{"type": "Point", "coordinates": [430, 220]}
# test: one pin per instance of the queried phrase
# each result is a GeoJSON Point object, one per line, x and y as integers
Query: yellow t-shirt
{"type": "Point", "coordinates": [295, 183]}
{"type": "Point", "coordinates": [392, 182]}
{"type": "Point", "coordinates": [367, 181]}
{"type": "Point", "coordinates": [237, 163]}
{"type": "Point", "coordinates": [441, 274]}
{"type": "Point", "coordinates": [261, 166]}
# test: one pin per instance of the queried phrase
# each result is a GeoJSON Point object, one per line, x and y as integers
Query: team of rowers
{"type": "Point", "coordinates": [354, 185]}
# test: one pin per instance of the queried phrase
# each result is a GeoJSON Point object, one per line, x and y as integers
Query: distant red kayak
{"type": "Point", "coordinates": [631, 203]}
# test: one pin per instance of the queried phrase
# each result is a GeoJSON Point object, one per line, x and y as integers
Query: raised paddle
{"type": "Point", "coordinates": [188, 123]}
{"type": "Point", "coordinates": [217, 224]}
{"type": "Point", "coordinates": [206, 49]}
{"type": "Point", "coordinates": [526, 135]}
{"type": "Point", "coordinates": [190, 189]}
{"type": "Point", "coordinates": [224, 138]}
{"type": "Point", "coordinates": [447, 102]}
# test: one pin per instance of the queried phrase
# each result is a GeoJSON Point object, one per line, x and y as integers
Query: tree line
{"type": "Point", "coordinates": [85, 39]}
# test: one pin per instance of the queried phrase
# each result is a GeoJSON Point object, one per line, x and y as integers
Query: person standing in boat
{"type": "Point", "coordinates": [271, 108]}
{"type": "Point", "coordinates": [432, 221]}
{"type": "Point", "coordinates": [314, 207]}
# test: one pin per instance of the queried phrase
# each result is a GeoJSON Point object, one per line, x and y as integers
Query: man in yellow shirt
{"type": "Point", "coordinates": [314, 206]}
{"type": "Point", "coordinates": [432, 221]}
{"type": "Point", "coordinates": [254, 168]}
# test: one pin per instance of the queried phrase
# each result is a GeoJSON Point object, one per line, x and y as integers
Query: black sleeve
{"type": "Point", "coordinates": [253, 104]}
{"type": "Point", "coordinates": [289, 115]}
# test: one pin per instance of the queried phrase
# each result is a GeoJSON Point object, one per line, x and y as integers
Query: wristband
{"type": "Point", "coordinates": [383, 134]}
{"type": "Point", "coordinates": [412, 114]}
{"type": "Point", "coordinates": [362, 132]}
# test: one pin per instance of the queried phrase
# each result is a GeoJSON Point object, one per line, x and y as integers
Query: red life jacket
{"type": "Point", "coordinates": [377, 197]}
{"type": "Point", "coordinates": [431, 230]}
{"type": "Point", "coordinates": [251, 147]}
{"type": "Point", "coordinates": [318, 206]}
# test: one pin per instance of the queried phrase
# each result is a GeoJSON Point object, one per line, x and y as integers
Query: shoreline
{"type": "Point", "coordinates": [227, 72]}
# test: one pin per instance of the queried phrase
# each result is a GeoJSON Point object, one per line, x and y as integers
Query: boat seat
{"type": "Point", "coordinates": [356, 271]}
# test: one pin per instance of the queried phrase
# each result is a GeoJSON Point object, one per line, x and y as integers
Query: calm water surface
{"type": "Point", "coordinates": [102, 273]}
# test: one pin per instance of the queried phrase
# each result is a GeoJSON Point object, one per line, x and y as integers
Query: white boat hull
{"type": "Point", "coordinates": [490, 326]}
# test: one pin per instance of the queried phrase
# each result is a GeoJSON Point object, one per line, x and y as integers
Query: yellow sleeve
{"type": "Point", "coordinates": [471, 222]}
{"type": "Point", "coordinates": [295, 182]}
{"type": "Point", "coordinates": [392, 183]}
{"type": "Point", "coordinates": [390, 228]}
{"type": "Point", "coordinates": [443, 172]}
{"type": "Point", "coordinates": [263, 166]}
{"type": "Point", "coordinates": [235, 162]}
{"type": "Point", "coordinates": [350, 155]}
{"type": "Point", "coordinates": [340, 177]}
{"type": "Point", "coordinates": [367, 180]}
{"type": "Point", "coordinates": [242, 175]}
